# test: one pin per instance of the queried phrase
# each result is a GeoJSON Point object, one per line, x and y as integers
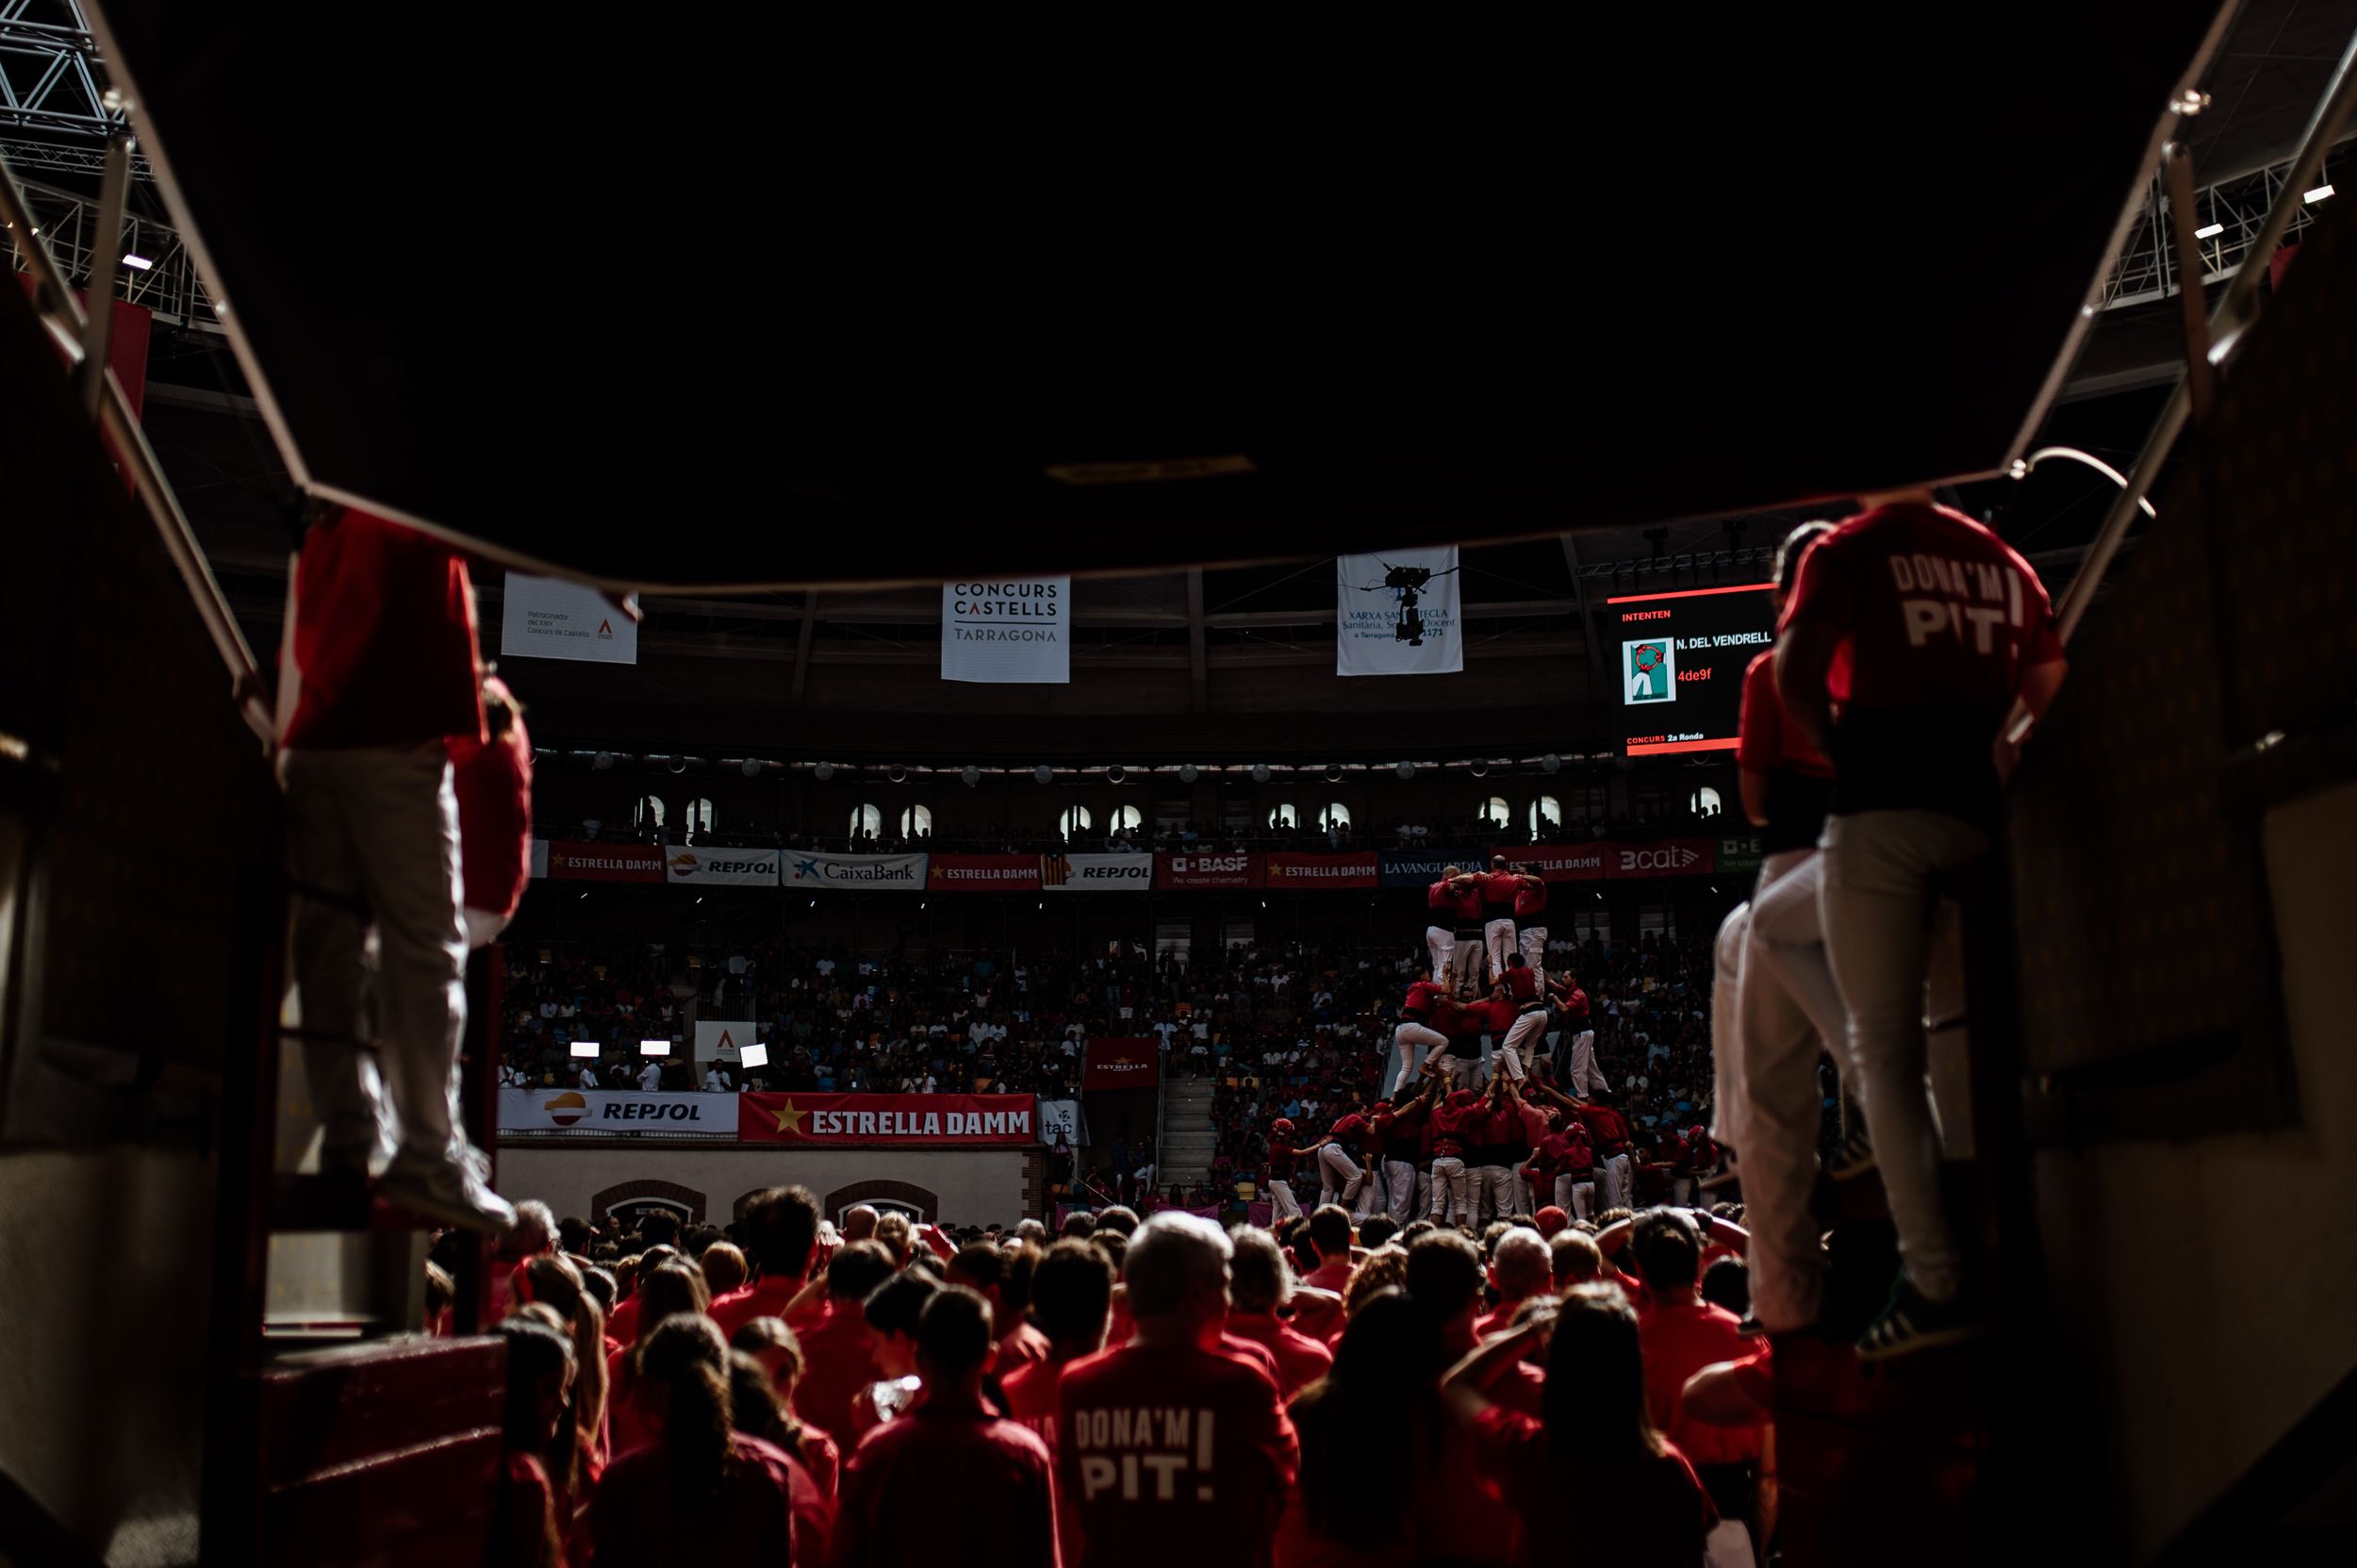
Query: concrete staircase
{"type": "Point", "coordinates": [1188, 1137]}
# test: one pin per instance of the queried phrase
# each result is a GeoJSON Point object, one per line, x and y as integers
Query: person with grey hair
{"type": "Point", "coordinates": [1171, 1447]}
{"type": "Point", "coordinates": [1520, 1268]}
{"type": "Point", "coordinates": [859, 1222]}
{"type": "Point", "coordinates": [533, 1235]}
{"type": "Point", "coordinates": [1032, 1231]}
{"type": "Point", "coordinates": [1260, 1284]}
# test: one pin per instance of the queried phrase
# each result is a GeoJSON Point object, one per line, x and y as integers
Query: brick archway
{"type": "Point", "coordinates": [669, 1193]}
{"type": "Point", "coordinates": [923, 1199]}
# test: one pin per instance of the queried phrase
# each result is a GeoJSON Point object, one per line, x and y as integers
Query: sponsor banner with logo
{"type": "Point", "coordinates": [607, 1113]}
{"type": "Point", "coordinates": [1007, 630]}
{"type": "Point", "coordinates": [1206, 871]}
{"type": "Point", "coordinates": [907, 1120]}
{"type": "Point", "coordinates": [1667, 857]}
{"type": "Point", "coordinates": [1739, 856]}
{"type": "Point", "coordinates": [1121, 1065]}
{"type": "Point", "coordinates": [723, 1039]}
{"type": "Point", "coordinates": [1397, 614]}
{"type": "Point", "coordinates": [544, 618]}
{"type": "Point", "coordinates": [1095, 873]}
{"type": "Point", "coordinates": [1298, 870]}
{"type": "Point", "coordinates": [567, 859]}
{"type": "Point", "coordinates": [1555, 861]}
{"type": "Point", "coordinates": [983, 873]}
{"type": "Point", "coordinates": [1422, 867]}
{"type": "Point", "coordinates": [704, 865]}
{"type": "Point", "coordinates": [1061, 1116]}
{"type": "Point", "coordinates": [805, 869]}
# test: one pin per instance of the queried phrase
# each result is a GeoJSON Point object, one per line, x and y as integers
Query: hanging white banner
{"type": "Point", "coordinates": [707, 867]}
{"type": "Point", "coordinates": [809, 869]}
{"type": "Point", "coordinates": [721, 1039]}
{"type": "Point", "coordinates": [541, 618]}
{"type": "Point", "coordinates": [1061, 1116]}
{"type": "Point", "coordinates": [1397, 614]}
{"type": "Point", "coordinates": [1007, 630]}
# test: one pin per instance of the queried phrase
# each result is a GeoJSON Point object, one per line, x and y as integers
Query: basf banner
{"type": "Point", "coordinates": [806, 869]}
{"type": "Point", "coordinates": [1298, 870]}
{"type": "Point", "coordinates": [1219, 870]}
{"type": "Point", "coordinates": [707, 867]}
{"type": "Point", "coordinates": [907, 1120]}
{"type": "Point", "coordinates": [1095, 873]}
{"type": "Point", "coordinates": [721, 1039]}
{"type": "Point", "coordinates": [541, 618]}
{"type": "Point", "coordinates": [1422, 867]}
{"type": "Point", "coordinates": [1121, 1065]}
{"type": "Point", "coordinates": [1397, 614]}
{"type": "Point", "coordinates": [583, 861]}
{"type": "Point", "coordinates": [611, 1112]}
{"type": "Point", "coordinates": [1014, 631]}
{"type": "Point", "coordinates": [984, 873]}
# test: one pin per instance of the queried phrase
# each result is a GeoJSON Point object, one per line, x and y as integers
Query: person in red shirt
{"type": "Point", "coordinates": [1518, 1014]}
{"type": "Point", "coordinates": [1594, 1439]}
{"type": "Point", "coordinates": [1398, 1125]}
{"type": "Point", "coordinates": [1331, 1234]}
{"type": "Point", "coordinates": [838, 1353]}
{"type": "Point", "coordinates": [1445, 1279]}
{"type": "Point", "coordinates": [780, 1228]}
{"type": "Point", "coordinates": [379, 676]}
{"type": "Point", "coordinates": [1465, 960]}
{"type": "Point", "coordinates": [1340, 1176]}
{"type": "Point", "coordinates": [540, 1372]}
{"type": "Point", "coordinates": [1520, 1269]}
{"type": "Point", "coordinates": [1439, 934]}
{"type": "Point", "coordinates": [1169, 1451]}
{"type": "Point", "coordinates": [1453, 1126]}
{"type": "Point", "coordinates": [1911, 632]}
{"type": "Point", "coordinates": [1499, 890]}
{"type": "Point", "coordinates": [1607, 1134]}
{"type": "Point", "coordinates": [1553, 1170]}
{"type": "Point", "coordinates": [1282, 1158]}
{"type": "Point", "coordinates": [1681, 1334]}
{"type": "Point", "coordinates": [1259, 1285]}
{"type": "Point", "coordinates": [1415, 1037]}
{"type": "Point", "coordinates": [771, 1345]}
{"type": "Point", "coordinates": [981, 1267]}
{"type": "Point", "coordinates": [1072, 1292]}
{"type": "Point", "coordinates": [493, 783]}
{"type": "Point", "coordinates": [1496, 1146]}
{"type": "Point", "coordinates": [1530, 922]}
{"type": "Point", "coordinates": [922, 1490]}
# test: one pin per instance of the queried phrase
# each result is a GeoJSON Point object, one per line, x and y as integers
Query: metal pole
{"type": "Point", "coordinates": [2200, 376]}
{"type": "Point", "coordinates": [106, 261]}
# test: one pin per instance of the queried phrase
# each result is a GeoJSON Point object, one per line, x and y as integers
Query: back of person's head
{"type": "Point", "coordinates": [856, 1270]}
{"type": "Point", "coordinates": [1377, 1229]}
{"type": "Point", "coordinates": [978, 1265]}
{"type": "Point", "coordinates": [1385, 1268]}
{"type": "Point", "coordinates": [1514, 961]}
{"type": "Point", "coordinates": [954, 1335]}
{"type": "Point", "coordinates": [753, 1402]}
{"type": "Point", "coordinates": [1032, 1231]}
{"type": "Point", "coordinates": [893, 1306]}
{"type": "Point", "coordinates": [659, 1228]}
{"type": "Point", "coordinates": [1575, 1259]}
{"type": "Point", "coordinates": [1329, 1230]}
{"type": "Point", "coordinates": [440, 1290]}
{"type": "Point", "coordinates": [1079, 1225]}
{"type": "Point", "coordinates": [1444, 1273]}
{"type": "Point", "coordinates": [780, 1225]}
{"type": "Point", "coordinates": [1795, 545]}
{"type": "Point", "coordinates": [1113, 1245]}
{"type": "Point", "coordinates": [1258, 1282]}
{"type": "Point", "coordinates": [1596, 1388]}
{"type": "Point", "coordinates": [1415, 1228]}
{"type": "Point", "coordinates": [537, 1360]}
{"type": "Point", "coordinates": [573, 1235]}
{"type": "Point", "coordinates": [1072, 1293]}
{"type": "Point", "coordinates": [601, 1283]}
{"type": "Point", "coordinates": [1170, 1258]}
{"type": "Point", "coordinates": [1667, 1250]}
{"type": "Point", "coordinates": [1727, 1283]}
{"type": "Point", "coordinates": [674, 1290]}
{"type": "Point", "coordinates": [896, 1236]}
{"type": "Point", "coordinates": [859, 1222]}
{"type": "Point", "coordinates": [1522, 1264]}
{"type": "Point", "coordinates": [770, 1337]}
{"type": "Point", "coordinates": [723, 1267]}
{"type": "Point", "coordinates": [1490, 1234]}
{"type": "Point", "coordinates": [1119, 1217]}
{"type": "Point", "coordinates": [534, 1230]}
{"type": "Point", "coordinates": [1382, 1395]}
{"type": "Point", "coordinates": [683, 1378]}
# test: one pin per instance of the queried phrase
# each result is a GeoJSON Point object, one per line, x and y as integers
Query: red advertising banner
{"type": "Point", "coordinates": [1221, 869]}
{"type": "Point", "coordinates": [913, 1121]}
{"type": "Point", "coordinates": [584, 861]}
{"type": "Point", "coordinates": [983, 873]}
{"type": "Point", "coordinates": [1121, 1065]}
{"type": "Point", "coordinates": [1298, 870]}
{"type": "Point", "coordinates": [1667, 857]}
{"type": "Point", "coordinates": [1558, 862]}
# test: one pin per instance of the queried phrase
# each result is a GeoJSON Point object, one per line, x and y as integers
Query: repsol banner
{"type": "Point", "coordinates": [705, 866]}
{"type": "Point", "coordinates": [1216, 869]}
{"type": "Point", "coordinates": [1422, 867]}
{"type": "Point", "coordinates": [805, 869]}
{"type": "Point", "coordinates": [609, 1113]}
{"type": "Point", "coordinates": [1007, 630]}
{"type": "Point", "coordinates": [900, 1120]}
{"type": "Point", "coordinates": [1095, 873]}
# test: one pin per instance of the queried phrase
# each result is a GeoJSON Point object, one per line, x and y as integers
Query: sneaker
{"type": "Point", "coordinates": [445, 1190]}
{"type": "Point", "coordinates": [1912, 1322]}
{"type": "Point", "coordinates": [1856, 1157]}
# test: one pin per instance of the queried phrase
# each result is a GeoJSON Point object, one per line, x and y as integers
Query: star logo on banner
{"type": "Point", "coordinates": [806, 869]}
{"type": "Point", "coordinates": [789, 1120]}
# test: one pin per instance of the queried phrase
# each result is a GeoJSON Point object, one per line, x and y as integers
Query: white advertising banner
{"type": "Point", "coordinates": [721, 1039]}
{"type": "Point", "coordinates": [1061, 1116]}
{"type": "Point", "coordinates": [705, 866]}
{"type": "Point", "coordinates": [1095, 873]}
{"type": "Point", "coordinates": [610, 1112]}
{"type": "Point", "coordinates": [542, 618]}
{"type": "Point", "coordinates": [1007, 632]}
{"type": "Point", "coordinates": [807, 869]}
{"type": "Point", "coordinates": [1397, 614]}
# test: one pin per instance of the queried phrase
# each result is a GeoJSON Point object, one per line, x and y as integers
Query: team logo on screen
{"type": "Point", "coordinates": [1649, 670]}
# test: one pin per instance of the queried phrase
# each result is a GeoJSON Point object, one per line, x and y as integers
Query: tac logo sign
{"type": "Point", "coordinates": [1648, 670]}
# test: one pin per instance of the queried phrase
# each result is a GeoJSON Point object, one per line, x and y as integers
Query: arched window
{"type": "Point", "coordinates": [647, 812]}
{"type": "Point", "coordinates": [1337, 816]}
{"type": "Point", "coordinates": [1705, 802]}
{"type": "Point", "coordinates": [1075, 820]}
{"type": "Point", "coordinates": [1545, 812]}
{"type": "Point", "coordinates": [701, 816]}
{"type": "Point", "coordinates": [1284, 817]}
{"type": "Point", "coordinates": [1495, 812]}
{"type": "Point", "coordinates": [917, 819]}
{"type": "Point", "coordinates": [1124, 818]}
{"type": "Point", "coordinates": [866, 820]}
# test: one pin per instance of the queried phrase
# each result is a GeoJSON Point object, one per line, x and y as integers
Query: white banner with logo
{"type": "Point", "coordinates": [1009, 631]}
{"type": "Point", "coordinates": [1095, 873]}
{"type": "Point", "coordinates": [707, 867]}
{"type": "Point", "coordinates": [721, 1039]}
{"type": "Point", "coordinates": [807, 869]}
{"type": "Point", "coordinates": [1396, 613]}
{"type": "Point", "coordinates": [610, 1112]}
{"type": "Point", "coordinates": [542, 618]}
{"type": "Point", "coordinates": [1061, 1116]}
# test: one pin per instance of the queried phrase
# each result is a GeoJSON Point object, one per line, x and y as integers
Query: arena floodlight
{"type": "Point", "coordinates": [822, 772]}
{"type": "Point", "coordinates": [586, 1047]}
{"type": "Point", "coordinates": [751, 766]}
{"type": "Point", "coordinates": [2320, 194]}
{"type": "Point", "coordinates": [602, 761]}
{"type": "Point", "coordinates": [754, 1055]}
{"type": "Point", "coordinates": [654, 1048]}
{"type": "Point", "coordinates": [1189, 772]}
{"type": "Point", "coordinates": [2209, 231]}
{"type": "Point", "coordinates": [1044, 773]}
{"type": "Point", "coordinates": [1259, 772]}
{"type": "Point", "coordinates": [139, 262]}
{"type": "Point", "coordinates": [1551, 763]}
{"type": "Point", "coordinates": [970, 775]}
{"type": "Point", "coordinates": [1406, 770]}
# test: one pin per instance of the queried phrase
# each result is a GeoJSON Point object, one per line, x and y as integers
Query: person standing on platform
{"type": "Point", "coordinates": [1528, 1021]}
{"type": "Point", "coordinates": [1400, 1122]}
{"type": "Point", "coordinates": [1530, 923]}
{"type": "Point", "coordinates": [1282, 1158]}
{"type": "Point", "coordinates": [1444, 899]}
{"type": "Point", "coordinates": [1415, 1037]}
{"type": "Point", "coordinates": [1499, 890]}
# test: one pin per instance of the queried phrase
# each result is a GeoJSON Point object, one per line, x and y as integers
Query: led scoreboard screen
{"type": "Point", "coordinates": [1680, 658]}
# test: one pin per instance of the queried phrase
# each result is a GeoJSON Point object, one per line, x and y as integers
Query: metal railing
{"type": "Point", "coordinates": [69, 224]}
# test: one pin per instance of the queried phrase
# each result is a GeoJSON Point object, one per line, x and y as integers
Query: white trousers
{"type": "Point", "coordinates": [1410, 1044]}
{"type": "Point", "coordinates": [1616, 1181]}
{"type": "Point", "coordinates": [1282, 1204]}
{"type": "Point", "coordinates": [1399, 1191]}
{"type": "Point", "coordinates": [1498, 1190]}
{"type": "Point", "coordinates": [1783, 1035]}
{"type": "Point", "coordinates": [1464, 1072]}
{"type": "Point", "coordinates": [1452, 1193]}
{"type": "Point", "coordinates": [1339, 1176]}
{"type": "Point", "coordinates": [1576, 1196]}
{"type": "Point", "coordinates": [1441, 941]}
{"type": "Point", "coordinates": [1532, 943]}
{"type": "Point", "coordinates": [1876, 902]}
{"type": "Point", "coordinates": [379, 826]}
{"type": "Point", "coordinates": [1497, 940]}
{"type": "Point", "coordinates": [1585, 1077]}
{"type": "Point", "coordinates": [1464, 961]}
{"type": "Point", "coordinates": [1522, 1036]}
{"type": "Point", "coordinates": [1726, 1041]}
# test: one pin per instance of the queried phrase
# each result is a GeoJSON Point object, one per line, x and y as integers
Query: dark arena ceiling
{"type": "Point", "coordinates": [817, 305]}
